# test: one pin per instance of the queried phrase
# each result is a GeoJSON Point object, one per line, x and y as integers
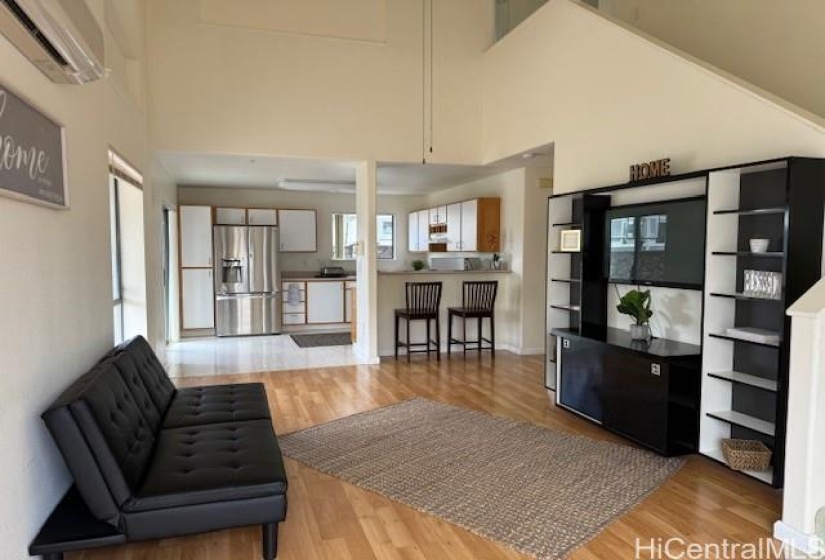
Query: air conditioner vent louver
{"type": "Point", "coordinates": [29, 24]}
{"type": "Point", "coordinates": [61, 37]}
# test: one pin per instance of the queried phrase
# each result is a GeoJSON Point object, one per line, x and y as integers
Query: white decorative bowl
{"type": "Point", "coordinates": [759, 245]}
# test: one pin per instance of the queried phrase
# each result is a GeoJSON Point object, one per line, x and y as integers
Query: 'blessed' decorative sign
{"type": "Point", "coordinates": [650, 170]}
{"type": "Point", "coordinates": [31, 153]}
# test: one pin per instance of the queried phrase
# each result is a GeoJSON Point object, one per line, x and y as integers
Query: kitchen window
{"type": "Point", "coordinates": [345, 236]}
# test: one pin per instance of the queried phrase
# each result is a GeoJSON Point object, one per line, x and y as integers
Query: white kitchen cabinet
{"type": "Point", "coordinates": [412, 232]}
{"type": "Point", "coordinates": [349, 288]}
{"type": "Point", "coordinates": [423, 230]}
{"type": "Point", "coordinates": [469, 226]}
{"type": "Point", "coordinates": [195, 236]}
{"type": "Point", "coordinates": [230, 216]}
{"type": "Point", "coordinates": [294, 319]}
{"type": "Point", "coordinates": [198, 298]}
{"type": "Point", "coordinates": [438, 215]}
{"type": "Point", "coordinates": [293, 309]}
{"type": "Point", "coordinates": [262, 217]}
{"type": "Point", "coordinates": [298, 231]}
{"type": "Point", "coordinates": [454, 227]}
{"type": "Point", "coordinates": [418, 231]}
{"type": "Point", "coordinates": [325, 302]}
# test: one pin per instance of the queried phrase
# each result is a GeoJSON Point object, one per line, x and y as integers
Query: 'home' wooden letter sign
{"type": "Point", "coordinates": [650, 170]}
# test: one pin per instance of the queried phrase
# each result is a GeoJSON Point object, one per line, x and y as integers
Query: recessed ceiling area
{"type": "Point", "coordinates": [338, 176]}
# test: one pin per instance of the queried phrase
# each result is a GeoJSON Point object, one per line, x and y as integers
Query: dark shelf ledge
{"type": "Point", "coordinates": [745, 421]}
{"type": "Point", "coordinates": [745, 297]}
{"type": "Point", "coordinates": [735, 339]}
{"type": "Point", "coordinates": [769, 385]}
{"type": "Point", "coordinates": [753, 212]}
{"type": "Point", "coordinates": [566, 280]}
{"type": "Point", "coordinates": [567, 224]}
{"type": "Point", "coordinates": [570, 308]}
{"type": "Point", "coordinates": [770, 254]}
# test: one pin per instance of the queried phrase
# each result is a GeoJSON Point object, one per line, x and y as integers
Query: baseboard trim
{"type": "Point", "coordinates": [793, 537]}
{"type": "Point", "coordinates": [364, 358]}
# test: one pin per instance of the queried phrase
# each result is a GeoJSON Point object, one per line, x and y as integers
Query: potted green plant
{"type": "Point", "coordinates": [418, 265]}
{"type": "Point", "coordinates": [636, 304]}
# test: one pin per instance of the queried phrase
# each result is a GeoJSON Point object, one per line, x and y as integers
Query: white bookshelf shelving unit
{"type": "Point", "coordinates": [562, 310]}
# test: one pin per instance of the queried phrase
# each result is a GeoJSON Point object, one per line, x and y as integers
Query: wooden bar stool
{"type": "Point", "coordinates": [422, 303]}
{"type": "Point", "coordinates": [478, 300]}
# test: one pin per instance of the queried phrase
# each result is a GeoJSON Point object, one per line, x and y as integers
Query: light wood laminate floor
{"type": "Point", "coordinates": [332, 520]}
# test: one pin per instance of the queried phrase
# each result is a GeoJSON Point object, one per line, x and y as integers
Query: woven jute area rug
{"type": "Point", "coordinates": [541, 492]}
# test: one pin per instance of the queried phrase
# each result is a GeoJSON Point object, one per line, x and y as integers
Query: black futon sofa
{"type": "Point", "coordinates": [150, 461]}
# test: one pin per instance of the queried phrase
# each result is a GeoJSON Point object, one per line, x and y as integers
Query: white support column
{"type": "Point", "coordinates": [804, 492]}
{"type": "Point", "coordinates": [366, 349]}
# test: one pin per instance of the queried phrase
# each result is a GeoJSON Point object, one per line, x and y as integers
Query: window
{"type": "Point", "coordinates": [127, 245]}
{"type": "Point", "coordinates": [345, 236]}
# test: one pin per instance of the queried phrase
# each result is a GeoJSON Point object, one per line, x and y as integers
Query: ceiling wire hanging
{"type": "Point", "coordinates": [427, 82]}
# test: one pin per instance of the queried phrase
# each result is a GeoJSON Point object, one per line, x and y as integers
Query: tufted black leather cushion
{"type": "Point", "coordinates": [157, 382]}
{"type": "Point", "coordinates": [215, 463]}
{"type": "Point", "coordinates": [134, 381]}
{"type": "Point", "coordinates": [198, 406]}
{"type": "Point", "coordinates": [115, 431]}
{"type": "Point", "coordinates": [212, 516]}
{"type": "Point", "coordinates": [79, 458]}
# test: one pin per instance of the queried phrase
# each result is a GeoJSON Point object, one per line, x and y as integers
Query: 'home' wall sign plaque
{"type": "Point", "coordinates": [650, 170]}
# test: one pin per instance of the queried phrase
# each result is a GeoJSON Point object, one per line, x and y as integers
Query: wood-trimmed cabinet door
{"type": "Point", "coordinates": [325, 302]}
{"type": "Point", "coordinates": [469, 225]}
{"type": "Point", "coordinates": [195, 236]}
{"type": "Point", "coordinates": [454, 227]}
{"type": "Point", "coordinates": [349, 304]}
{"type": "Point", "coordinates": [198, 299]}
{"type": "Point", "coordinates": [412, 232]}
{"type": "Point", "coordinates": [298, 230]}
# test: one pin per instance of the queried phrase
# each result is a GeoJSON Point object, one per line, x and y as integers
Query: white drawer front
{"type": "Point", "coordinates": [294, 319]}
{"type": "Point", "coordinates": [292, 308]}
{"type": "Point", "coordinates": [302, 293]}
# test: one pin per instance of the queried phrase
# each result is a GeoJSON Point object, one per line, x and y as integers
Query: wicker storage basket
{"type": "Point", "coordinates": [746, 454]}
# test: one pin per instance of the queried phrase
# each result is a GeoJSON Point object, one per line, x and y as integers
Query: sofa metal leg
{"type": "Point", "coordinates": [53, 556]}
{"type": "Point", "coordinates": [270, 540]}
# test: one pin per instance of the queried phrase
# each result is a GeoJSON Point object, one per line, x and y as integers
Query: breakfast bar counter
{"type": "Point", "coordinates": [391, 294]}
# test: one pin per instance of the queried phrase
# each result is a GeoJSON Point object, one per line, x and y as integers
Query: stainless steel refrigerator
{"type": "Point", "coordinates": [247, 280]}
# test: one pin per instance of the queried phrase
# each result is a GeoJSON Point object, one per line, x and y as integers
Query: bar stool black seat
{"type": "Point", "coordinates": [423, 300]}
{"type": "Point", "coordinates": [478, 300]}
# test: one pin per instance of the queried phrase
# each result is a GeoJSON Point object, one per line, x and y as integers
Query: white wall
{"type": "Point", "coordinates": [773, 45]}
{"type": "Point", "coordinates": [162, 192]}
{"type": "Point", "coordinates": [608, 98]}
{"type": "Point", "coordinates": [321, 78]}
{"type": "Point", "coordinates": [325, 204]}
{"type": "Point", "coordinates": [56, 288]}
{"type": "Point", "coordinates": [677, 314]}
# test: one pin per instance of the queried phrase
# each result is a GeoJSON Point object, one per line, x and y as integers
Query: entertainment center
{"type": "Point", "coordinates": [718, 366]}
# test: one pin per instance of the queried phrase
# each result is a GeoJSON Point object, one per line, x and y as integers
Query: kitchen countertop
{"type": "Point", "coordinates": [305, 276]}
{"type": "Point", "coordinates": [482, 271]}
{"type": "Point", "coordinates": [312, 275]}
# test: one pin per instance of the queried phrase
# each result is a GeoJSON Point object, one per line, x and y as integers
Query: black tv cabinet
{"type": "Point", "coordinates": [648, 392]}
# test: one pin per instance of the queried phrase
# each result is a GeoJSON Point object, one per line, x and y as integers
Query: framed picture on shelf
{"type": "Point", "coordinates": [570, 241]}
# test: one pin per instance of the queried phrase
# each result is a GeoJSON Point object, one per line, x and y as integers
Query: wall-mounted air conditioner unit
{"type": "Point", "coordinates": [61, 37]}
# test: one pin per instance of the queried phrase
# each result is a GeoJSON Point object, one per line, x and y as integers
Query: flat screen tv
{"type": "Point", "coordinates": [657, 244]}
